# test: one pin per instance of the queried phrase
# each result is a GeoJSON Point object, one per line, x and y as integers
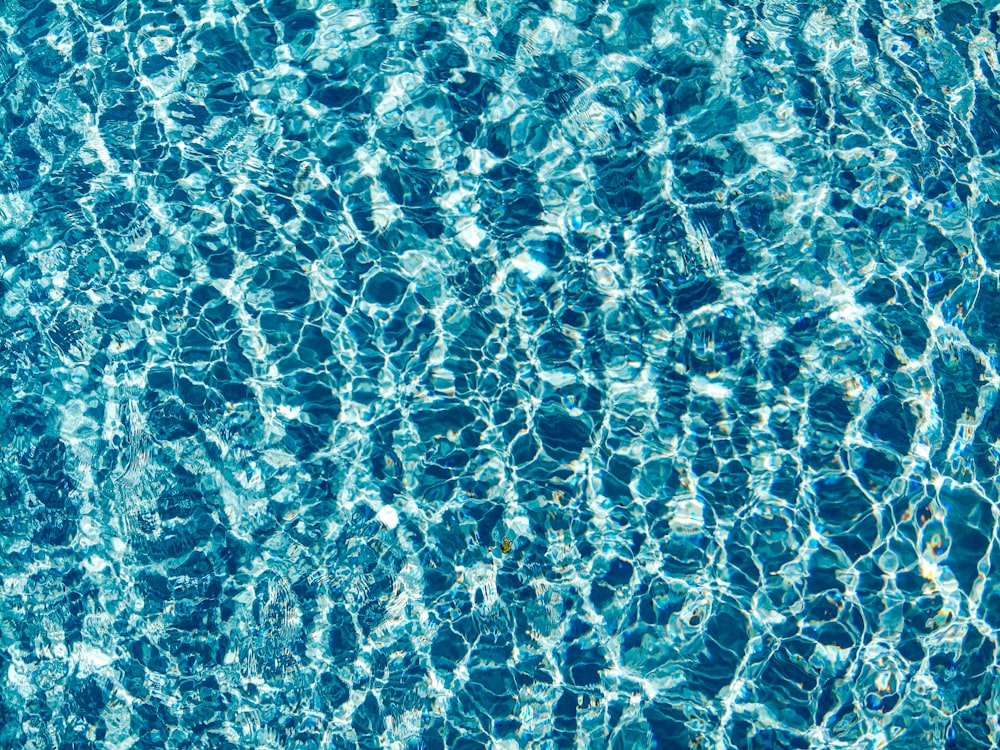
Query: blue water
{"type": "Point", "coordinates": [499, 375]}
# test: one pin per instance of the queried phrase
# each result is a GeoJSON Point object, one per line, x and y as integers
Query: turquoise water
{"type": "Point", "coordinates": [499, 375]}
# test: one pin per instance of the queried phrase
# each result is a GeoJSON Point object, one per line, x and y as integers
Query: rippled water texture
{"type": "Point", "coordinates": [431, 375]}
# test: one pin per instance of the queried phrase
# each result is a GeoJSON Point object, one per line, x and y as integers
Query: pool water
{"type": "Point", "coordinates": [551, 374]}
